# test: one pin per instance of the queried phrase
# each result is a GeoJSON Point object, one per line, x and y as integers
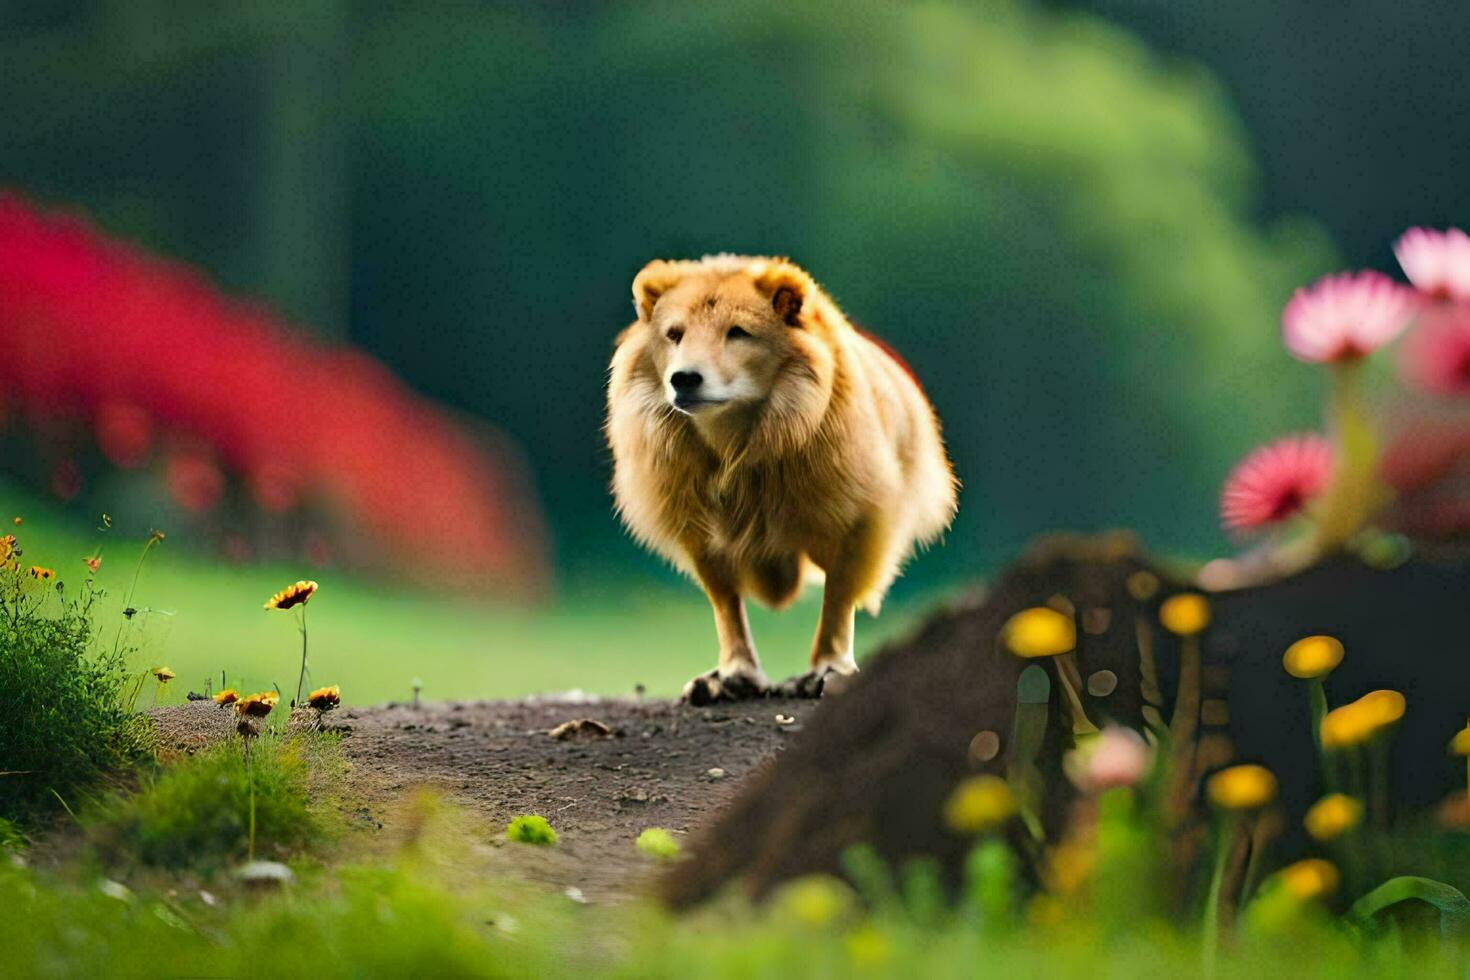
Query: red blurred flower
{"type": "Point", "coordinates": [415, 490]}
{"type": "Point", "coordinates": [1276, 482]}
{"type": "Point", "coordinates": [1345, 317]}
{"type": "Point", "coordinates": [194, 481]}
{"type": "Point", "coordinates": [1436, 262]}
{"type": "Point", "coordinates": [66, 480]}
{"type": "Point", "coordinates": [1436, 355]}
{"type": "Point", "coordinates": [124, 433]}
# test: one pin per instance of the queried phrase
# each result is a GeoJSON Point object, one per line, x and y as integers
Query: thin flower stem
{"type": "Point", "coordinates": [1071, 680]}
{"type": "Point", "coordinates": [301, 678]}
{"type": "Point", "coordinates": [1317, 698]}
{"type": "Point", "coordinates": [1211, 924]}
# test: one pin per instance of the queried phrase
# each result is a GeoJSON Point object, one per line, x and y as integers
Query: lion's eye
{"type": "Point", "coordinates": [676, 334]}
{"type": "Point", "coordinates": [735, 333]}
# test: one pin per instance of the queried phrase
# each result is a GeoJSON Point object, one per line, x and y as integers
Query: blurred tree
{"type": "Point", "coordinates": [1048, 223]}
{"type": "Point", "coordinates": [1052, 225]}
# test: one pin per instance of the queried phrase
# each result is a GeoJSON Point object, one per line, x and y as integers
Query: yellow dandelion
{"type": "Point", "coordinates": [325, 698]}
{"type": "Point", "coordinates": [1356, 723]}
{"type": "Point", "coordinates": [292, 595]}
{"type": "Point", "coordinates": [815, 901]}
{"type": "Point", "coordinates": [1383, 707]}
{"type": "Point", "coordinates": [7, 548]}
{"type": "Point", "coordinates": [1460, 744]}
{"type": "Point", "coordinates": [258, 705]}
{"type": "Point", "coordinates": [1312, 657]}
{"type": "Point", "coordinates": [42, 574]}
{"type": "Point", "coordinates": [1243, 787]}
{"type": "Point", "coordinates": [978, 804]}
{"type": "Point", "coordinates": [868, 946]}
{"type": "Point", "coordinates": [1039, 632]}
{"type": "Point", "coordinates": [228, 696]}
{"type": "Point", "coordinates": [1332, 816]}
{"type": "Point", "coordinates": [1185, 614]}
{"type": "Point", "coordinates": [17, 521]}
{"type": "Point", "coordinates": [164, 674]}
{"type": "Point", "coordinates": [1310, 879]}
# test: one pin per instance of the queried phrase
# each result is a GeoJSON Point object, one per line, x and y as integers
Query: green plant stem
{"type": "Point", "coordinates": [1317, 698]}
{"type": "Point", "coordinates": [1352, 495]}
{"type": "Point", "coordinates": [1211, 924]}
{"type": "Point", "coordinates": [1454, 908]}
{"type": "Point", "coordinates": [301, 678]}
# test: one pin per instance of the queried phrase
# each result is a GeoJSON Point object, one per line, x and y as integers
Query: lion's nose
{"type": "Point", "coordinates": [686, 381]}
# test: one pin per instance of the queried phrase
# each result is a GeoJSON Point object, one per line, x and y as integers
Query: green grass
{"type": "Point", "coordinates": [202, 616]}
{"type": "Point", "coordinates": [65, 717]}
{"type": "Point", "coordinates": [432, 911]}
{"type": "Point", "coordinates": [269, 799]}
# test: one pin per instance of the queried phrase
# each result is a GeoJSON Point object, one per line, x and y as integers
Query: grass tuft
{"type": "Point", "coordinates": [658, 843]}
{"type": "Point", "coordinates": [202, 811]}
{"type": "Point", "coordinates": [65, 714]}
{"type": "Point", "coordinates": [531, 829]}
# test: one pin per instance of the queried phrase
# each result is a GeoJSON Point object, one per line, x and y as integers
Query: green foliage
{"type": "Point", "coordinates": [531, 829]}
{"type": "Point", "coordinates": [658, 843]}
{"type": "Point", "coordinates": [65, 720]}
{"type": "Point", "coordinates": [199, 812]}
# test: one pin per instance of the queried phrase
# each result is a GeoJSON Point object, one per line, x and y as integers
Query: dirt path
{"type": "Point", "coordinates": [665, 765]}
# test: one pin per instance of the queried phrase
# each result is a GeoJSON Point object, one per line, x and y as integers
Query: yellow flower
{"type": "Point", "coordinates": [7, 548]}
{"type": "Point", "coordinates": [867, 946]}
{"type": "Point", "coordinates": [979, 803]}
{"type": "Point", "coordinates": [1355, 723]}
{"type": "Point", "coordinates": [1383, 707]}
{"type": "Point", "coordinates": [43, 574]}
{"type": "Point", "coordinates": [1460, 744]}
{"type": "Point", "coordinates": [1039, 632]}
{"type": "Point", "coordinates": [228, 696]}
{"type": "Point", "coordinates": [291, 595]}
{"type": "Point", "coordinates": [164, 674]}
{"type": "Point", "coordinates": [815, 901]}
{"type": "Point", "coordinates": [93, 563]}
{"type": "Point", "coordinates": [258, 705]}
{"type": "Point", "coordinates": [1243, 787]}
{"type": "Point", "coordinates": [1332, 816]}
{"type": "Point", "coordinates": [1312, 656]}
{"type": "Point", "coordinates": [1309, 879]}
{"type": "Point", "coordinates": [1185, 614]}
{"type": "Point", "coordinates": [325, 698]}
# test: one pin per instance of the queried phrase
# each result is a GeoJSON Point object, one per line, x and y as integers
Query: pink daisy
{"type": "Point", "coordinates": [1436, 262]}
{"type": "Point", "coordinates": [1436, 355]}
{"type": "Point", "coordinates": [1347, 316]}
{"type": "Point", "coordinates": [1276, 482]}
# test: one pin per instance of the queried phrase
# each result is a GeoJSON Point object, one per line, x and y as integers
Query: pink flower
{"type": "Point", "coordinates": [1347, 316]}
{"type": "Point", "coordinates": [1276, 481]}
{"type": "Point", "coordinates": [1436, 355]}
{"type": "Point", "coordinates": [1436, 262]}
{"type": "Point", "coordinates": [1117, 757]}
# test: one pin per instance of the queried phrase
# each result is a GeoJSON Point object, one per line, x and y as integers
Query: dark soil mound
{"type": "Point", "coordinates": [876, 762]}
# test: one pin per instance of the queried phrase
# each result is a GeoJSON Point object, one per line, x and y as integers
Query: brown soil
{"type": "Point", "coordinates": [876, 764]}
{"type": "Point", "coordinates": [497, 760]}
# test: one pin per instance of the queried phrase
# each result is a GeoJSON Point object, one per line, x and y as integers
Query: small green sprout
{"type": "Point", "coordinates": [658, 843]}
{"type": "Point", "coordinates": [531, 829]}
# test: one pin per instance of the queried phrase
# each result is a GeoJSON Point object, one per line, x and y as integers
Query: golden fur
{"type": "Point", "coordinates": [817, 450]}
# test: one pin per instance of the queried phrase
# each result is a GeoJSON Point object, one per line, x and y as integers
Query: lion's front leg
{"type": "Point", "coordinates": [738, 675]}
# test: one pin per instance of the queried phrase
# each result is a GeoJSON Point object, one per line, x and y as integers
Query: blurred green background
{"type": "Point", "coordinates": [1077, 221]}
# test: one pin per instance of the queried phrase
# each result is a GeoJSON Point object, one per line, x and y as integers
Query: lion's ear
{"type": "Point", "coordinates": [652, 281]}
{"type": "Point", "coordinates": [787, 285]}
